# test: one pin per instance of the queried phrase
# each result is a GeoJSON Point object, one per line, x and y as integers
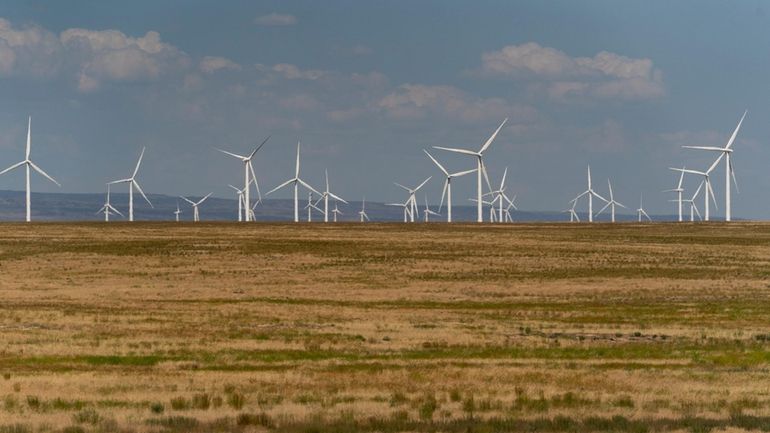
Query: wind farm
{"type": "Point", "coordinates": [358, 217]}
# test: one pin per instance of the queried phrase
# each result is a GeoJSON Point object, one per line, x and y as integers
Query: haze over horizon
{"type": "Point", "coordinates": [366, 86]}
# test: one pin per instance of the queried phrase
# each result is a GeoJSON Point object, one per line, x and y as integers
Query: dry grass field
{"type": "Point", "coordinates": [363, 328]}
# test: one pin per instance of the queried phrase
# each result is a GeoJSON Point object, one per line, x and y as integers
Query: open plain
{"type": "Point", "coordinates": [384, 327]}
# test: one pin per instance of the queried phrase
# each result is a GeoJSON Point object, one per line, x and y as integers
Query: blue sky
{"type": "Point", "coordinates": [367, 85]}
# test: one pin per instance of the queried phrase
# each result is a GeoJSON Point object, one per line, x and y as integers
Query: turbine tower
{"type": "Point", "coordinates": [729, 171]}
{"type": "Point", "coordinates": [411, 202]}
{"type": "Point", "coordinates": [427, 212]}
{"type": "Point", "coordinates": [709, 191]}
{"type": "Point", "coordinates": [107, 208]}
{"type": "Point", "coordinates": [296, 181]}
{"type": "Point", "coordinates": [641, 212]}
{"type": "Point", "coordinates": [132, 183]}
{"type": "Point", "coordinates": [336, 212]}
{"type": "Point", "coordinates": [177, 211]}
{"type": "Point", "coordinates": [678, 190]}
{"type": "Point", "coordinates": [325, 197]}
{"type": "Point", "coordinates": [573, 216]}
{"type": "Point", "coordinates": [248, 168]}
{"type": "Point", "coordinates": [610, 204]}
{"type": "Point", "coordinates": [447, 190]}
{"type": "Point", "coordinates": [196, 215]}
{"type": "Point", "coordinates": [362, 213]}
{"type": "Point", "coordinates": [591, 194]}
{"type": "Point", "coordinates": [27, 163]}
{"type": "Point", "coordinates": [479, 166]}
{"type": "Point", "coordinates": [240, 193]}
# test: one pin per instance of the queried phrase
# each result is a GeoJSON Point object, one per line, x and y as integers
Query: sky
{"type": "Point", "coordinates": [366, 86]}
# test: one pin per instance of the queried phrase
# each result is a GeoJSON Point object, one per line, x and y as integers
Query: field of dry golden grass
{"type": "Point", "coordinates": [384, 327]}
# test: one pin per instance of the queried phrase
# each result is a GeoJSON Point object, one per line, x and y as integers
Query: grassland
{"type": "Point", "coordinates": [347, 328]}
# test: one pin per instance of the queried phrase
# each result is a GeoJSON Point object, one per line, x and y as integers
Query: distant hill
{"type": "Point", "coordinates": [84, 207]}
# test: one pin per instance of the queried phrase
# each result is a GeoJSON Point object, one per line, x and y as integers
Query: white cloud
{"type": "Point", "coordinates": [276, 19]}
{"type": "Point", "coordinates": [30, 51]}
{"type": "Point", "coordinates": [292, 72]}
{"type": "Point", "coordinates": [110, 55]}
{"type": "Point", "coordinates": [415, 101]}
{"type": "Point", "coordinates": [210, 64]}
{"type": "Point", "coordinates": [605, 75]}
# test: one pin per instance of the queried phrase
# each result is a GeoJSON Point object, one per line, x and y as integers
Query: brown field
{"type": "Point", "coordinates": [392, 327]}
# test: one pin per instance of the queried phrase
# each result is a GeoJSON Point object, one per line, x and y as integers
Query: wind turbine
{"type": "Point", "coordinates": [296, 181]}
{"type": "Point", "coordinates": [412, 201]}
{"type": "Point", "coordinates": [362, 212]}
{"type": "Point", "coordinates": [678, 190]}
{"type": "Point", "coordinates": [310, 206]}
{"type": "Point", "coordinates": [694, 208]}
{"type": "Point", "coordinates": [408, 215]}
{"type": "Point", "coordinates": [29, 164]}
{"type": "Point", "coordinates": [491, 204]}
{"type": "Point", "coordinates": [573, 216]}
{"type": "Point", "coordinates": [107, 208]}
{"type": "Point", "coordinates": [641, 211]}
{"type": "Point", "coordinates": [247, 168]}
{"type": "Point", "coordinates": [709, 190]}
{"type": "Point", "coordinates": [196, 215]}
{"type": "Point", "coordinates": [447, 186]}
{"type": "Point", "coordinates": [240, 193]}
{"type": "Point", "coordinates": [591, 194]}
{"type": "Point", "coordinates": [427, 212]}
{"type": "Point", "coordinates": [508, 217]}
{"type": "Point", "coordinates": [336, 212]}
{"type": "Point", "coordinates": [177, 211]}
{"type": "Point", "coordinates": [479, 167]}
{"type": "Point", "coordinates": [610, 204]}
{"type": "Point", "coordinates": [132, 183]}
{"type": "Point", "coordinates": [500, 197]}
{"type": "Point", "coordinates": [729, 171]}
{"type": "Point", "coordinates": [325, 197]}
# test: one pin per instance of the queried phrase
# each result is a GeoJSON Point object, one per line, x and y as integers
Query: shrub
{"type": "Point", "coordinates": [87, 416]}
{"type": "Point", "coordinates": [157, 407]}
{"type": "Point", "coordinates": [201, 401]}
{"type": "Point", "coordinates": [180, 403]}
{"type": "Point", "coordinates": [236, 400]}
{"type": "Point", "coordinates": [33, 402]}
{"type": "Point", "coordinates": [261, 419]}
{"type": "Point", "coordinates": [428, 406]}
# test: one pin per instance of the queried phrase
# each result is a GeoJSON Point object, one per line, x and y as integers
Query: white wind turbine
{"type": "Point", "coordinates": [427, 212]}
{"type": "Point", "coordinates": [336, 212]}
{"type": "Point", "coordinates": [693, 208]}
{"type": "Point", "coordinates": [591, 194]}
{"type": "Point", "coordinates": [725, 152]}
{"type": "Point", "coordinates": [29, 164]}
{"type": "Point", "coordinates": [362, 213]}
{"type": "Point", "coordinates": [479, 167]}
{"type": "Point", "coordinates": [500, 198]}
{"type": "Point", "coordinates": [107, 208]}
{"type": "Point", "coordinates": [573, 216]}
{"type": "Point", "coordinates": [412, 201]}
{"type": "Point", "coordinates": [511, 205]}
{"type": "Point", "coordinates": [196, 215]}
{"type": "Point", "coordinates": [177, 211]}
{"type": "Point", "coordinates": [132, 183]}
{"type": "Point", "coordinates": [610, 204]}
{"type": "Point", "coordinates": [310, 206]}
{"type": "Point", "coordinates": [240, 193]}
{"type": "Point", "coordinates": [408, 215]}
{"type": "Point", "coordinates": [296, 181]}
{"type": "Point", "coordinates": [492, 212]}
{"type": "Point", "coordinates": [641, 212]}
{"type": "Point", "coordinates": [709, 191]}
{"type": "Point", "coordinates": [325, 197]}
{"type": "Point", "coordinates": [248, 168]}
{"type": "Point", "coordinates": [678, 190]}
{"type": "Point", "coordinates": [447, 186]}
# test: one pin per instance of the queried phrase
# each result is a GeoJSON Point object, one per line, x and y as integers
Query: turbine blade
{"type": "Point", "coordinates": [710, 190]}
{"type": "Point", "coordinates": [139, 188]}
{"type": "Point", "coordinates": [711, 148]}
{"type": "Point", "coordinates": [334, 196]}
{"type": "Point", "coordinates": [502, 182]}
{"type": "Point", "coordinates": [259, 147]}
{"type": "Point", "coordinates": [423, 183]}
{"type": "Point", "coordinates": [463, 173]}
{"type": "Point", "coordinates": [29, 137]}
{"type": "Point", "coordinates": [281, 186]}
{"type": "Point", "coordinates": [296, 172]}
{"type": "Point", "coordinates": [241, 157]}
{"type": "Point", "coordinates": [187, 200]}
{"type": "Point", "coordinates": [254, 179]}
{"type": "Point", "coordinates": [18, 164]}
{"type": "Point", "coordinates": [732, 172]}
{"type": "Point", "coordinates": [602, 209]}
{"type": "Point", "coordinates": [735, 133]}
{"type": "Point", "coordinates": [116, 181]}
{"type": "Point", "coordinates": [443, 193]}
{"type": "Point", "coordinates": [306, 185]}
{"type": "Point", "coordinates": [138, 163]}
{"type": "Point", "coordinates": [451, 149]}
{"type": "Point", "coordinates": [716, 162]}
{"type": "Point", "coordinates": [40, 170]}
{"type": "Point", "coordinates": [492, 138]}
{"type": "Point", "coordinates": [441, 167]}
{"type": "Point", "coordinates": [204, 198]}
{"type": "Point", "coordinates": [402, 186]}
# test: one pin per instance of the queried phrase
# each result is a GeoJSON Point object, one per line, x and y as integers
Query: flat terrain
{"type": "Point", "coordinates": [348, 328]}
